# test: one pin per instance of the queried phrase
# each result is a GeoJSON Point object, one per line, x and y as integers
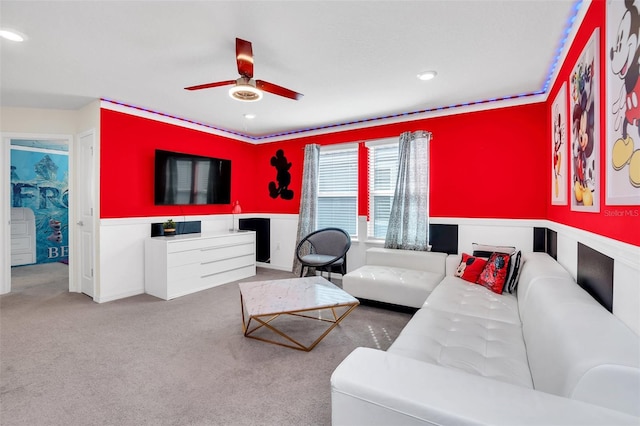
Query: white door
{"type": "Point", "coordinates": [85, 212]}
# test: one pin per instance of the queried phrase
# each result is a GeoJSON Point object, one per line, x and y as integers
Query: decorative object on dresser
{"type": "Point", "coordinates": [169, 227]}
{"type": "Point", "coordinates": [189, 263]}
{"type": "Point", "coordinates": [234, 211]}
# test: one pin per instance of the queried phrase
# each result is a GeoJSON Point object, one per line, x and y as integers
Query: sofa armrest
{"type": "Point", "coordinates": [373, 387]}
{"type": "Point", "coordinates": [429, 261]}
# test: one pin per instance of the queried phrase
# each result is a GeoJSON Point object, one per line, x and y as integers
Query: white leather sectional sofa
{"type": "Point", "coordinates": [551, 355]}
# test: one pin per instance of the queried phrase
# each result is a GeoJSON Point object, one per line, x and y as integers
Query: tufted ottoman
{"type": "Point", "coordinates": [398, 277]}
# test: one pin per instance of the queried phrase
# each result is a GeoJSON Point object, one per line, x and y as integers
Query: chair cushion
{"type": "Point", "coordinates": [319, 259]}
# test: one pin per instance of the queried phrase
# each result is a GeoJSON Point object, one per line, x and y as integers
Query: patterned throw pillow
{"type": "Point", "coordinates": [494, 274]}
{"type": "Point", "coordinates": [470, 268]}
{"type": "Point", "coordinates": [514, 273]}
{"type": "Point", "coordinates": [486, 250]}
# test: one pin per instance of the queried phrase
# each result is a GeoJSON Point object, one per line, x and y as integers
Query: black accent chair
{"type": "Point", "coordinates": [328, 249]}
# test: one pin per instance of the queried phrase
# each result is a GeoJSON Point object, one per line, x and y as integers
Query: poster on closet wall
{"type": "Point", "coordinates": [39, 182]}
{"type": "Point", "coordinates": [584, 119]}
{"type": "Point", "coordinates": [623, 103]}
{"type": "Point", "coordinates": [559, 148]}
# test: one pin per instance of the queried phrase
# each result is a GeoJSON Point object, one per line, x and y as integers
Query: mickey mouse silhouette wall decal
{"type": "Point", "coordinates": [283, 177]}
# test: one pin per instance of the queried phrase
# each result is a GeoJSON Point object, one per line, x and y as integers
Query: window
{"type": "Point", "coordinates": [338, 189]}
{"type": "Point", "coordinates": [383, 172]}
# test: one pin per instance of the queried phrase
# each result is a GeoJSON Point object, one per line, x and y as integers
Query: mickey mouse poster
{"type": "Point", "coordinates": [584, 118]}
{"type": "Point", "coordinates": [623, 89]}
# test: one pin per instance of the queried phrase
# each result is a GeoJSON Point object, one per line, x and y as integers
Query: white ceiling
{"type": "Point", "coordinates": [352, 60]}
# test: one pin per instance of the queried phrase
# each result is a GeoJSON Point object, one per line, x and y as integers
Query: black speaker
{"type": "Point", "coordinates": [262, 227]}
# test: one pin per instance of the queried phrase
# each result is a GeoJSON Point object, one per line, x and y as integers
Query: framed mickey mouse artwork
{"type": "Point", "coordinates": [559, 148]}
{"type": "Point", "coordinates": [584, 119]}
{"type": "Point", "coordinates": [623, 103]}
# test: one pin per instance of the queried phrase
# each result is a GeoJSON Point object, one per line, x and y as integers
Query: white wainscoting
{"type": "Point", "coordinates": [626, 267]}
{"type": "Point", "coordinates": [121, 254]}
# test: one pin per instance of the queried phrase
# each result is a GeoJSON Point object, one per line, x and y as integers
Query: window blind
{"type": "Point", "coordinates": [383, 172]}
{"type": "Point", "coordinates": [338, 190]}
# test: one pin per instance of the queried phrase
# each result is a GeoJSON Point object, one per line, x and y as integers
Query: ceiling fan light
{"type": "Point", "coordinates": [245, 93]}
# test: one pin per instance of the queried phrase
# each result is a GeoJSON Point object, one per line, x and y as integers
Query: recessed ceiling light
{"type": "Point", "coordinates": [427, 75]}
{"type": "Point", "coordinates": [12, 35]}
{"type": "Point", "coordinates": [249, 116]}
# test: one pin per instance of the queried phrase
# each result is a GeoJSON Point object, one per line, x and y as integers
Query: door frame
{"type": "Point", "coordinates": [77, 243]}
{"type": "Point", "coordinates": [5, 211]}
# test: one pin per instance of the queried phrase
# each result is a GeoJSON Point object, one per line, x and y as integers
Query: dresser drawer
{"type": "Point", "coordinates": [215, 254]}
{"type": "Point", "coordinates": [217, 241]}
{"type": "Point", "coordinates": [226, 265]}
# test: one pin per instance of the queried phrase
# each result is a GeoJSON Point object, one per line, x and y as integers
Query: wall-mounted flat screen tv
{"type": "Point", "coordinates": [182, 179]}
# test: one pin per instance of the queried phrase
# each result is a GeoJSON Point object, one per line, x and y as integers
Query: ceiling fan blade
{"type": "Point", "coordinates": [244, 58]}
{"type": "Point", "coordinates": [209, 85]}
{"type": "Point", "coordinates": [277, 90]}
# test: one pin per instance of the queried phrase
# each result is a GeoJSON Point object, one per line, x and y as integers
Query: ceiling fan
{"type": "Point", "coordinates": [246, 88]}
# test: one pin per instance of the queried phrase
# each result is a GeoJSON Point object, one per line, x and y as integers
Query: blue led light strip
{"type": "Point", "coordinates": [545, 88]}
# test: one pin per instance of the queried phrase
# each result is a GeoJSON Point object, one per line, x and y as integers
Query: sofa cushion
{"type": "Point", "coordinates": [400, 286]}
{"type": "Point", "coordinates": [458, 296]}
{"type": "Point", "coordinates": [576, 348]}
{"type": "Point", "coordinates": [486, 250]}
{"type": "Point", "coordinates": [476, 345]}
{"type": "Point", "coordinates": [407, 259]}
{"type": "Point", "coordinates": [536, 267]}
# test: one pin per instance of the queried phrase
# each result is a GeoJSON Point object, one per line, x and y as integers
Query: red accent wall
{"type": "Point", "coordinates": [618, 222]}
{"type": "Point", "coordinates": [485, 164]}
{"type": "Point", "coordinates": [127, 149]}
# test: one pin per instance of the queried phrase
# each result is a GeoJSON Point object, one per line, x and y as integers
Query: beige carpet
{"type": "Point", "coordinates": [65, 360]}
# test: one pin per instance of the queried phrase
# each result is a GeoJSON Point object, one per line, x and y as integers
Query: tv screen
{"type": "Point", "coordinates": [182, 179]}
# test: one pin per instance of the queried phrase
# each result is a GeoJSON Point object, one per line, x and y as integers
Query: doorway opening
{"type": "Point", "coordinates": [39, 212]}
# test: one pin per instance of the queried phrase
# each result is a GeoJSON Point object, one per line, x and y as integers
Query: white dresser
{"type": "Point", "coordinates": [184, 264]}
{"type": "Point", "coordinates": [23, 236]}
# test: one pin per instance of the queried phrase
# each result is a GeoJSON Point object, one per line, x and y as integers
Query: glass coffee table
{"type": "Point", "coordinates": [270, 307]}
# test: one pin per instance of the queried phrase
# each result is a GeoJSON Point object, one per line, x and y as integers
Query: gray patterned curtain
{"type": "Point", "coordinates": [308, 197]}
{"type": "Point", "coordinates": [409, 218]}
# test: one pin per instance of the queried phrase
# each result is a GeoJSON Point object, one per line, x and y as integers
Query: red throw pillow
{"type": "Point", "coordinates": [494, 274]}
{"type": "Point", "coordinates": [470, 268]}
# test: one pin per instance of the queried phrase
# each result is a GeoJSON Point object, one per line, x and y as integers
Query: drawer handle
{"type": "Point", "coordinates": [227, 258]}
{"type": "Point", "coordinates": [225, 246]}
{"type": "Point", "coordinates": [226, 270]}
